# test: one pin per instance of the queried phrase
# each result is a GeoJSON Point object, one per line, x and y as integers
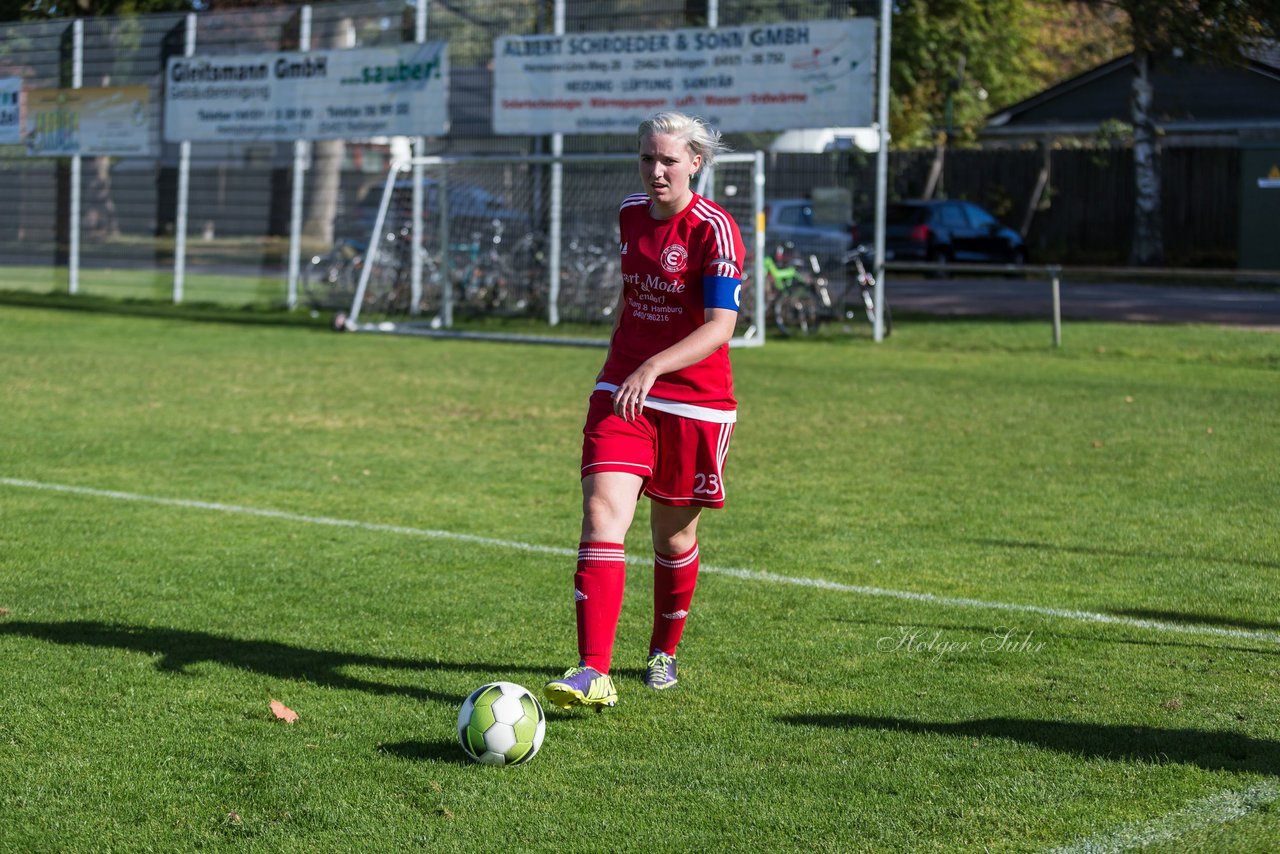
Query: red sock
{"type": "Point", "coordinates": [597, 592]}
{"type": "Point", "coordinates": [674, 577]}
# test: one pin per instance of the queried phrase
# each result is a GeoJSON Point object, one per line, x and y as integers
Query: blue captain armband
{"type": "Point", "coordinates": [721, 292]}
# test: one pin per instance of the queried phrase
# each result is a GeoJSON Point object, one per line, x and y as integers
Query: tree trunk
{"type": "Point", "coordinates": [326, 167]}
{"type": "Point", "coordinates": [934, 181]}
{"type": "Point", "coordinates": [98, 217]}
{"type": "Point", "coordinates": [326, 180]}
{"type": "Point", "coordinates": [1147, 248]}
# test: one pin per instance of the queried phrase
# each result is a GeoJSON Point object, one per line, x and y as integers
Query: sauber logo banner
{"type": "Point", "coordinates": [401, 90]}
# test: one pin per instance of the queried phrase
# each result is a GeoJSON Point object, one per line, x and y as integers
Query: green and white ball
{"type": "Point", "coordinates": [501, 724]}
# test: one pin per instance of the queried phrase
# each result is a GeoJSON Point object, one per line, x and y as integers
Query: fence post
{"type": "Point", "coordinates": [416, 196]}
{"type": "Point", "coordinates": [557, 201]}
{"type": "Point", "coordinates": [882, 165]}
{"type": "Point", "coordinates": [1055, 275]}
{"type": "Point", "coordinates": [184, 184]}
{"type": "Point", "coordinates": [299, 170]}
{"type": "Point", "coordinates": [73, 230]}
{"type": "Point", "coordinates": [757, 239]}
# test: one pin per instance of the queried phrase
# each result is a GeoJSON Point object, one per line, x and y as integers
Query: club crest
{"type": "Point", "coordinates": [674, 258]}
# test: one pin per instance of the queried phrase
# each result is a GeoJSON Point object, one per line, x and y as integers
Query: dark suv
{"type": "Point", "coordinates": [944, 231]}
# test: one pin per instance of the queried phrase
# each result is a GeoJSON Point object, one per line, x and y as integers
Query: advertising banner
{"type": "Point", "coordinates": [323, 94]}
{"type": "Point", "coordinates": [10, 110]}
{"type": "Point", "coordinates": [108, 120]}
{"type": "Point", "coordinates": [756, 77]}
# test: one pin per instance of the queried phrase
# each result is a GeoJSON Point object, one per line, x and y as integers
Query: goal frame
{"type": "Point", "coordinates": [442, 324]}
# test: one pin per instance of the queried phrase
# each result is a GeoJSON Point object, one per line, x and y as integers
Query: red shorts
{"type": "Point", "coordinates": [681, 459]}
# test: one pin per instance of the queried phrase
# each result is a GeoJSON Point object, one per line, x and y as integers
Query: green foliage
{"type": "Point", "coordinates": [1217, 28]}
{"type": "Point", "coordinates": [956, 61]}
{"type": "Point", "coordinates": [38, 10]}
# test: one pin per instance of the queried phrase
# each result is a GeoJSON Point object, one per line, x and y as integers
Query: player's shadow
{"type": "Point", "coordinates": [1212, 750]}
{"type": "Point", "coordinates": [1108, 551]}
{"type": "Point", "coordinates": [1193, 619]}
{"type": "Point", "coordinates": [179, 649]}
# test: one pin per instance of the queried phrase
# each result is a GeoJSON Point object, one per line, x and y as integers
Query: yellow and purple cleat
{"type": "Point", "coordinates": [582, 686]}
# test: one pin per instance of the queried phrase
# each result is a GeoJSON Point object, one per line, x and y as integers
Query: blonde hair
{"type": "Point", "coordinates": [702, 139]}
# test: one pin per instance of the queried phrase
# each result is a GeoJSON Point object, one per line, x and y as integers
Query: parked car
{"type": "Point", "coordinates": [472, 208]}
{"type": "Point", "coordinates": [793, 221]}
{"type": "Point", "coordinates": [944, 231]}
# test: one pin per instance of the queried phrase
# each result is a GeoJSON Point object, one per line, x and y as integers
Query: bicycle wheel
{"type": "Point", "coordinates": [868, 300]}
{"type": "Point", "coordinates": [795, 311]}
{"type": "Point", "coordinates": [329, 281]}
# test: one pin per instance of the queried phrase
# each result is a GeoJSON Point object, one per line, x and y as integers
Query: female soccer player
{"type": "Point", "coordinates": [663, 410]}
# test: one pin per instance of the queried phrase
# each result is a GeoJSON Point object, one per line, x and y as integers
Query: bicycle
{"type": "Point", "coordinates": [855, 266]}
{"type": "Point", "coordinates": [590, 275]}
{"type": "Point", "coordinates": [797, 303]}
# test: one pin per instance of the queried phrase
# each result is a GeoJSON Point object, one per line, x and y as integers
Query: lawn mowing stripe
{"type": "Point", "coordinates": [1211, 811]}
{"type": "Point", "coordinates": [732, 572]}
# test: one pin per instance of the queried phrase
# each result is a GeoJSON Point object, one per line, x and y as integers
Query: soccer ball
{"type": "Point", "coordinates": [501, 724]}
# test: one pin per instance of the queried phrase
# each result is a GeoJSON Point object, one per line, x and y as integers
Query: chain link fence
{"type": "Point", "coordinates": [239, 201]}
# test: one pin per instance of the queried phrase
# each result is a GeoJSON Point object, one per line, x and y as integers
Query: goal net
{"type": "Point", "coordinates": [513, 247]}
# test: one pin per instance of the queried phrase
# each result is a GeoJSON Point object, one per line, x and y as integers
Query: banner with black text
{"type": "Point", "coordinates": [322, 94]}
{"type": "Point", "coordinates": [755, 77]}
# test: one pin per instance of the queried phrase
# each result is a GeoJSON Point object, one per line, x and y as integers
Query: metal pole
{"type": "Point", "coordinates": [757, 206]}
{"type": "Point", "coordinates": [882, 164]}
{"type": "Point", "coordinates": [419, 149]}
{"type": "Point", "coordinates": [557, 201]}
{"type": "Point", "coordinates": [184, 185]}
{"type": "Point", "coordinates": [77, 80]}
{"type": "Point", "coordinates": [1055, 275]}
{"type": "Point", "coordinates": [707, 187]}
{"type": "Point", "coordinates": [300, 149]}
{"type": "Point", "coordinates": [375, 239]}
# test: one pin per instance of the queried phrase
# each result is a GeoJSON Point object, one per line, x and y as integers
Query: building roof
{"type": "Point", "coordinates": [1189, 98]}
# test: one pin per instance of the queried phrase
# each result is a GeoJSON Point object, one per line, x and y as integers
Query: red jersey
{"type": "Point", "coordinates": [672, 270]}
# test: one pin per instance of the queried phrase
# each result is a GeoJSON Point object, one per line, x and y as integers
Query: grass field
{"type": "Point", "coordinates": [968, 594]}
{"type": "Point", "coordinates": [151, 285]}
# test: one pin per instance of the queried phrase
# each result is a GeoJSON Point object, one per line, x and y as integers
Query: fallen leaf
{"type": "Point", "coordinates": [283, 712]}
{"type": "Point", "coordinates": [4, 612]}
{"type": "Point", "coordinates": [1128, 398]}
{"type": "Point", "coordinates": [1173, 705]}
{"type": "Point", "coordinates": [1097, 443]}
{"type": "Point", "coordinates": [233, 817]}
{"type": "Point", "coordinates": [1101, 349]}
{"type": "Point", "coordinates": [1209, 430]}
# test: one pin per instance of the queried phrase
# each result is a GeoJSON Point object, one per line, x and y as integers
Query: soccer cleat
{"type": "Point", "coordinates": [582, 686]}
{"type": "Point", "coordinates": [660, 670]}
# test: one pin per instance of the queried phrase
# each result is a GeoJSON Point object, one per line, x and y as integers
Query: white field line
{"type": "Point", "coordinates": [745, 574]}
{"type": "Point", "coordinates": [1207, 812]}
